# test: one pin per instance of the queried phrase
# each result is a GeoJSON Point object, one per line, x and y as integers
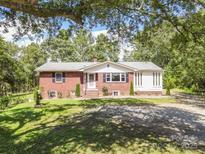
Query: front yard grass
{"type": "Point", "coordinates": [61, 126]}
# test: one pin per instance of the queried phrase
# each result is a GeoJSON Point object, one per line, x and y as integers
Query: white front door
{"type": "Point", "coordinates": [91, 81]}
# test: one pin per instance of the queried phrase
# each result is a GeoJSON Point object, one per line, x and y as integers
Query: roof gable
{"type": "Point", "coordinates": [108, 62]}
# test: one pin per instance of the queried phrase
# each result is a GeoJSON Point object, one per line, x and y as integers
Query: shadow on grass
{"type": "Point", "coordinates": [99, 131]}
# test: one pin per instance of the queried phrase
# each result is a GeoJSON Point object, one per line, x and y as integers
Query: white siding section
{"type": "Point", "coordinates": [147, 82]}
{"type": "Point", "coordinates": [108, 68]}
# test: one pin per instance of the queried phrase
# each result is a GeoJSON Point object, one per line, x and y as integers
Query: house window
{"type": "Point", "coordinates": [52, 94]}
{"type": "Point", "coordinates": [139, 79]}
{"type": "Point", "coordinates": [156, 79]}
{"type": "Point", "coordinates": [59, 77]}
{"type": "Point", "coordinates": [116, 93]}
{"type": "Point", "coordinates": [115, 77]}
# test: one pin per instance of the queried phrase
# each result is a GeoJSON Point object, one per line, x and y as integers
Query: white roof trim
{"type": "Point", "coordinates": [108, 62]}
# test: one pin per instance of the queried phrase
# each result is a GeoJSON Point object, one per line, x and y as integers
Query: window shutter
{"type": "Point", "coordinates": [53, 77]}
{"type": "Point", "coordinates": [127, 80]}
{"type": "Point", "coordinates": [86, 77]}
{"type": "Point", "coordinates": [63, 77]}
{"type": "Point", "coordinates": [104, 77]}
{"type": "Point", "coordinates": [96, 77]}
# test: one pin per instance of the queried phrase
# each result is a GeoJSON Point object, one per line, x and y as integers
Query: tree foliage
{"type": "Point", "coordinates": [10, 67]}
{"type": "Point", "coordinates": [17, 67]}
{"type": "Point", "coordinates": [79, 45]}
{"type": "Point", "coordinates": [32, 57]}
{"type": "Point", "coordinates": [180, 54]}
{"type": "Point", "coordinates": [106, 49]}
{"type": "Point", "coordinates": [121, 16]}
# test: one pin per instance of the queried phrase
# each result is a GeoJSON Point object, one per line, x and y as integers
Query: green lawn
{"type": "Point", "coordinates": [61, 126]}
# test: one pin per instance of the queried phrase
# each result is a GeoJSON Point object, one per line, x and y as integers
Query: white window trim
{"type": "Point", "coordinates": [111, 77]}
{"type": "Point", "coordinates": [61, 81]}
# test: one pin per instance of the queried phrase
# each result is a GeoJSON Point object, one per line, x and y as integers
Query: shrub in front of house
{"type": "Point", "coordinates": [131, 89]}
{"type": "Point", "coordinates": [60, 95]}
{"type": "Point", "coordinates": [77, 90]}
{"type": "Point", "coordinates": [105, 91]}
{"type": "Point", "coordinates": [37, 97]}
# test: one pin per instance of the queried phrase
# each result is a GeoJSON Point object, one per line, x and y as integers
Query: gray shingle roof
{"type": "Point", "coordinates": [142, 65]}
{"type": "Point", "coordinates": [77, 66]}
{"type": "Point", "coordinates": [68, 66]}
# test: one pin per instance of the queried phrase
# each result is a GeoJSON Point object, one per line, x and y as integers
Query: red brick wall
{"type": "Point", "coordinates": [123, 87]}
{"type": "Point", "coordinates": [71, 79]}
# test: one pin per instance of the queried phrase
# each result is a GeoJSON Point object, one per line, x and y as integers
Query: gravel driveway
{"type": "Point", "coordinates": [181, 123]}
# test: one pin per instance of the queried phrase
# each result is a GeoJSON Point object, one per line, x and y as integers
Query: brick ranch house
{"type": "Point", "coordinates": [60, 79]}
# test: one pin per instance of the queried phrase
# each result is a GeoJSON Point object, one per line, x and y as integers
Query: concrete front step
{"type": "Point", "coordinates": [92, 93]}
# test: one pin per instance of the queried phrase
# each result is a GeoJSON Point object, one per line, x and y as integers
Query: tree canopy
{"type": "Point", "coordinates": [119, 16]}
{"type": "Point", "coordinates": [181, 56]}
{"type": "Point", "coordinates": [80, 45]}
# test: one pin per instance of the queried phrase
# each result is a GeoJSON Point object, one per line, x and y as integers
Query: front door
{"type": "Point", "coordinates": [91, 81]}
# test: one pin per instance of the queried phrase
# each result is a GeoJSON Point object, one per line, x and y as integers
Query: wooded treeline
{"type": "Point", "coordinates": [17, 64]}
{"type": "Point", "coordinates": [179, 51]}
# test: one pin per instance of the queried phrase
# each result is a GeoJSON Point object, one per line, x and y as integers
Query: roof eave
{"type": "Point", "coordinates": [58, 70]}
{"type": "Point", "coordinates": [122, 65]}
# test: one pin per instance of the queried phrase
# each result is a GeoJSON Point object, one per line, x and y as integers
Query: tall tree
{"type": "Point", "coordinates": [32, 57]}
{"type": "Point", "coordinates": [82, 43]}
{"type": "Point", "coordinates": [11, 70]}
{"type": "Point", "coordinates": [70, 46]}
{"type": "Point", "coordinates": [106, 49]}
